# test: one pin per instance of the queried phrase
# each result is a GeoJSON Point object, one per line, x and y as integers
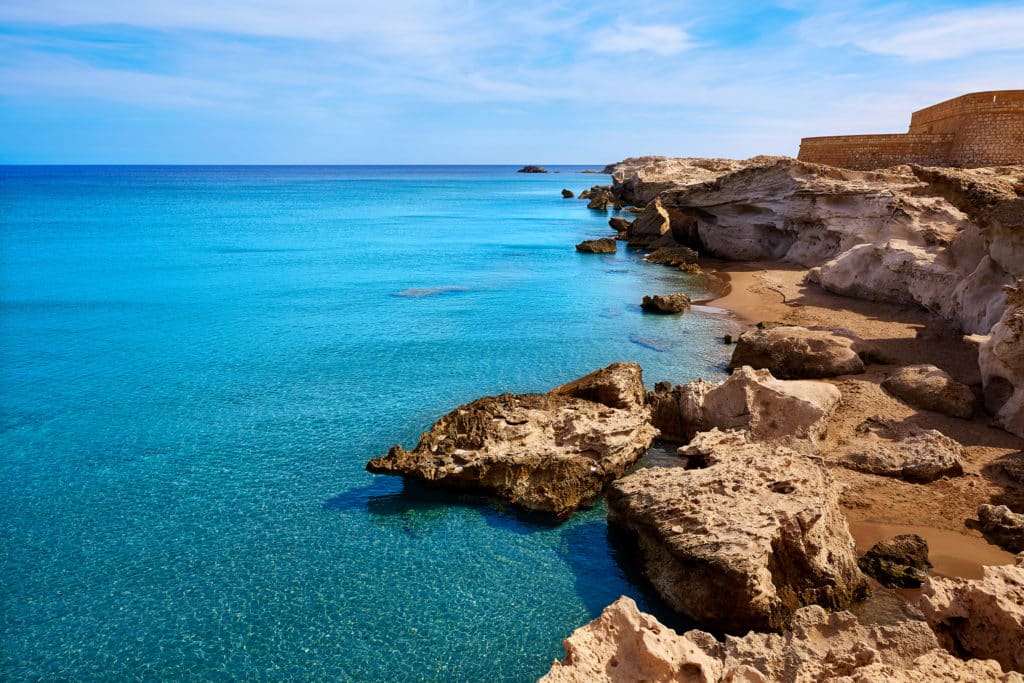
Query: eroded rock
{"type": "Point", "coordinates": [604, 245]}
{"type": "Point", "coordinates": [567, 194]}
{"type": "Point", "coordinates": [899, 562]}
{"type": "Point", "coordinates": [1001, 358]}
{"type": "Point", "coordinates": [676, 302]}
{"type": "Point", "coordinates": [672, 256]}
{"type": "Point", "coordinates": [905, 451]}
{"type": "Point", "coordinates": [743, 543]}
{"type": "Point", "coordinates": [791, 352]}
{"type": "Point", "coordinates": [981, 618]}
{"type": "Point", "coordinates": [547, 452]}
{"type": "Point", "coordinates": [1002, 526]}
{"type": "Point", "coordinates": [928, 387]}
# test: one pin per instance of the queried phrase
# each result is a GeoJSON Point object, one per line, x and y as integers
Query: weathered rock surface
{"type": "Point", "coordinates": [981, 618]}
{"type": "Point", "coordinates": [619, 224]}
{"type": "Point", "coordinates": [928, 387]}
{"type": "Point", "coordinates": [672, 256]}
{"type": "Point", "coordinates": [791, 352]}
{"type": "Point", "coordinates": [604, 245]}
{"type": "Point", "coordinates": [1002, 526]}
{"type": "Point", "coordinates": [899, 562]}
{"type": "Point", "coordinates": [1001, 358]}
{"type": "Point", "coordinates": [600, 197]}
{"type": "Point", "coordinates": [625, 645]}
{"type": "Point", "coordinates": [743, 543]}
{"type": "Point", "coordinates": [905, 451]}
{"type": "Point", "coordinates": [532, 169]}
{"type": "Point", "coordinates": [638, 180]}
{"type": "Point", "coordinates": [567, 194]}
{"type": "Point", "coordinates": [547, 452]}
{"type": "Point", "coordinates": [678, 412]}
{"type": "Point", "coordinates": [677, 302]}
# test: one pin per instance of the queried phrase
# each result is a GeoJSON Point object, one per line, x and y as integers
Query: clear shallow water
{"type": "Point", "coordinates": [196, 365]}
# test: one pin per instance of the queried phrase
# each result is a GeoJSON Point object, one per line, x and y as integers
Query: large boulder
{"type": "Point", "coordinates": [619, 224]}
{"type": "Point", "coordinates": [980, 617]}
{"type": "Point", "coordinates": [547, 452]}
{"type": "Point", "coordinates": [791, 352]}
{"type": "Point", "coordinates": [743, 543]}
{"type": "Point", "coordinates": [678, 412]}
{"type": "Point", "coordinates": [604, 245]}
{"type": "Point", "coordinates": [928, 387]}
{"type": "Point", "coordinates": [898, 562]}
{"type": "Point", "coordinates": [906, 452]}
{"type": "Point", "coordinates": [1002, 526]}
{"type": "Point", "coordinates": [1001, 357]}
{"type": "Point", "coordinates": [625, 645]}
{"type": "Point", "coordinates": [600, 198]}
{"type": "Point", "coordinates": [567, 194]}
{"type": "Point", "coordinates": [677, 302]}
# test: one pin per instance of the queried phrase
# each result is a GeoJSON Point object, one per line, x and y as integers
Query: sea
{"type": "Point", "coordinates": [196, 364]}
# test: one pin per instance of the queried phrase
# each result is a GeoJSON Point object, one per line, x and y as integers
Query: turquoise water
{"type": "Point", "coordinates": [198, 362]}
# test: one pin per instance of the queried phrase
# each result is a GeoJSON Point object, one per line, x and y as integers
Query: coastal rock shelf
{"type": "Point", "coordinates": [549, 452]}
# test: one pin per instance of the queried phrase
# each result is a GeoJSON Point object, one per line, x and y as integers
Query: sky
{"type": "Point", "coordinates": [464, 82]}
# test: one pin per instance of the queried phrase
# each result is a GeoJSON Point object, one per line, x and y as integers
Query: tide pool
{"type": "Point", "coordinates": [197, 362]}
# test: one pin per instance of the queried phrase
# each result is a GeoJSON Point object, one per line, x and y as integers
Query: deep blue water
{"type": "Point", "coordinates": [197, 363]}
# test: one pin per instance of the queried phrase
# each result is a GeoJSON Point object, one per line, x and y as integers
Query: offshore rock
{"type": "Point", "coordinates": [625, 645]}
{"type": "Point", "coordinates": [791, 352]}
{"type": "Point", "coordinates": [672, 256]}
{"type": "Point", "coordinates": [619, 224]}
{"type": "Point", "coordinates": [743, 543]}
{"type": "Point", "coordinates": [1001, 358]}
{"type": "Point", "coordinates": [532, 169]}
{"type": "Point", "coordinates": [567, 194]}
{"type": "Point", "coordinates": [899, 562]}
{"type": "Point", "coordinates": [1002, 526]}
{"type": "Point", "coordinates": [906, 452]}
{"type": "Point", "coordinates": [676, 302]}
{"type": "Point", "coordinates": [546, 452]}
{"type": "Point", "coordinates": [981, 618]}
{"type": "Point", "coordinates": [600, 197]}
{"type": "Point", "coordinates": [928, 387]}
{"type": "Point", "coordinates": [604, 245]}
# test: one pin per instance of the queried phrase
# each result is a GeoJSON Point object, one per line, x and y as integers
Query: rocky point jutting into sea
{"type": "Point", "coordinates": [880, 394]}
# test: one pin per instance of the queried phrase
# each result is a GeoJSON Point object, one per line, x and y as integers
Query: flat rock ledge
{"type": "Point", "coordinates": [668, 304]}
{"type": "Point", "coordinates": [980, 617]}
{"type": "Point", "coordinates": [603, 245]}
{"type": "Point", "coordinates": [549, 452]}
{"type": "Point", "coordinates": [743, 543]}
{"type": "Point", "coordinates": [792, 352]}
{"type": "Point", "coordinates": [928, 387]}
{"type": "Point", "coordinates": [625, 645]}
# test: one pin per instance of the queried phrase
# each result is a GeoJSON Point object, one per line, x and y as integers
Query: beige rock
{"type": "Point", "coordinates": [547, 452]}
{"type": "Point", "coordinates": [1001, 358]}
{"type": "Point", "coordinates": [743, 543]}
{"type": "Point", "coordinates": [678, 411]}
{"type": "Point", "coordinates": [1002, 526]}
{"type": "Point", "coordinates": [792, 352]}
{"type": "Point", "coordinates": [980, 617]}
{"type": "Point", "coordinates": [624, 645]}
{"type": "Point", "coordinates": [928, 387]}
{"type": "Point", "coordinates": [907, 452]}
{"type": "Point", "coordinates": [638, 180]}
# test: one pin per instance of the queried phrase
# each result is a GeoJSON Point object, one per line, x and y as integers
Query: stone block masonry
{"type": "Point", "coordinates": [979, 129]}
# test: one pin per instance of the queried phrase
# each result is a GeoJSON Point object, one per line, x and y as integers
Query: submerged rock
{"type": "Point", "coordinates": [791, 352]}
{"type": "Point", "coordinates": [604, 245]}
{"type": "Point", "coordinates": [547, 452]}
{"type": "Point", "coordinates": [901, 561]}
{"type": "Point", "coordinates": [1002, 526]}
{"type": "Point", "coordinates": [625, 645]}
{"type": "Point", "coordinates": [743, 543]}
{"type": "Point", "coordinates": [928, 387]}
{"type": "Point", "coordinates": [980, 617]}
{"type": "Point", "coordinates": [907, 452]}
{"type": "Point", "coordinates": [676, 302]}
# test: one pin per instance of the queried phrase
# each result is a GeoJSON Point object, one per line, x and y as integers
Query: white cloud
{"type": "Point", "coordinates": [663, 40]}
{"type": "Point", "coordinates": [931, 36]}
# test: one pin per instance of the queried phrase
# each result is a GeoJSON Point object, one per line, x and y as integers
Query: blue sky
{"type": "Point", "coordinates": [456, 81]}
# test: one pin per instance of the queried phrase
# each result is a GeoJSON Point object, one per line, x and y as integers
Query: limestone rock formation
{"type": "Point", "coordinates": [638, 180]}
{"type": "Point", "coordinates": [625, 645]}
{"type": "Point", "coordinates": [604, 245]}
{"type": "Point", "coordinates": [677, 302]}
{"type": "Point", "coordinates": [532, 169]}
{"type": "Point", "coordinates": [547, 452]}
{"type": "Point", "coordinates": [981, 618]}
{"type": "Point", "coordinates": [901, 561]}
{"type": "Point", "coordinates": [1002, 526]}
{"type": "Point", "coordinates": [1001, 358]}
{"type": "Point", "coordinates": [672, 256]}
{"type": "Point", "coordinates": [907, 452]}
{"type": "Point", "coordinates": [791, 352]}
{"type": "Point", "coordinates": [619, 224]}
{"type": "Point", "coordinates": [678, 412]}
{"type": "Point", "coordinates": [928, 387]}
{"type": "Point", "coordinates": [743, 543]}
{"type": "Point", "coordinates": [567, 194]}
{"type": "Point", "coordinates": [600, 197]}
{"type": "Point", "coordinates": [660, 226]}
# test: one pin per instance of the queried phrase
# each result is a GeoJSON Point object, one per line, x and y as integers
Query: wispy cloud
{"type": "Point", "coordinates": [664, 40]}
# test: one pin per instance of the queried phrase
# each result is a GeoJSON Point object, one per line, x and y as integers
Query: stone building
{"type": "Point", "coordinates": [979, 129]}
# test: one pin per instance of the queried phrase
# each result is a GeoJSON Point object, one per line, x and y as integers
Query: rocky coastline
{"type": "Point", "coordinates": [877, 382]}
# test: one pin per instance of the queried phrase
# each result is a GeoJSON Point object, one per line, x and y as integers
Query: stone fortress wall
{"type": "Point", "coordinates": [979, 129]}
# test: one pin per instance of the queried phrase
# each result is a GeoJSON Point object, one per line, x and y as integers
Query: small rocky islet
{"type": "Point", "coordinates": [748, 534]}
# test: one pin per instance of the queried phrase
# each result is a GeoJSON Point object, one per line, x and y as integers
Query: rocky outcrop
{"type": "Point", "coordinates": [678, 412]}
{"type": "Point", "coordinates": [625, 645]}
{"type": "Point", "coordinates": [1002, 526]}
{"type": "Point", "coordinates": [672, 256]}
{"type": "Point", "coordinates": [619, 224]}
{"type": "Point", "coordinates": [981, 618]}
{"type": "Point", "coordinates": [791, 352]}
{"type": "Point", "coordinates": [676, 302]}
{"type": "Point", "coordinates": [600, 197]}
{"type": "Point", "coordinates": [604, 245]}
{"type": "Point", "coordinates": [661, 226]}
{"type": "Point", "coordinates": [547, 452]}
{"type": "Point", "coordinates": [743, 543]}
{"type": "Point", "coordinates": [905, 451]}
{"type": "Point", "coordinates": [1001, 358]}
{"type": "Point", "coordinates": [638, 180]}
{"type": "Point", "coordinates": [928, 387]}
{"type": "Point", "coordinates": [899, 562]}
{"type": "Point", "coordinates": [532, 169]}
{"type": "Point", "coordinates": [567, 194]}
